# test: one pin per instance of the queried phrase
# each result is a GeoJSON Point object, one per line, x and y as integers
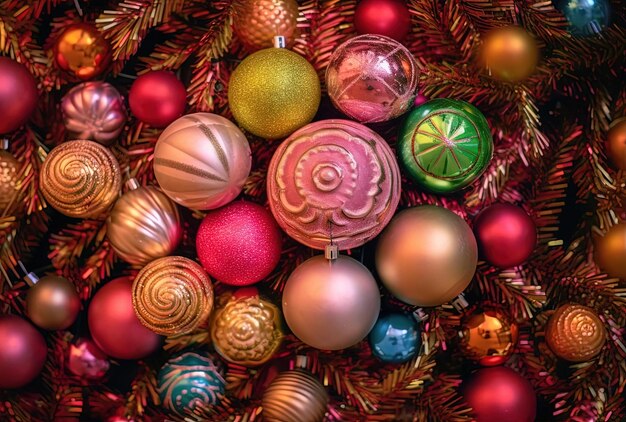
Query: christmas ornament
{"type": "Point", "coordinates": [114, 326]}
{"type": "Point", "coordinates": [157, 98]}
{"type": "Point", "coordinates": [426, 256]}
{"type": "Point", "coordinates": [510, 53]}
{"type": "Point", "coordinates": [8, 176]}
{"type": "Point", "coordinates": [445, 145]}
{"type": "Point", "coordinates": [488, 336]}
{"type": "Point", "coordinates": [239, 244]}
{"type": "Point", "coordinates": [586, 17]}
{"type": "Point", "coordinates": [246, 330]}
{"type": "Point", "coordinates": [257, 22]}
{"type": "Point", "coordinates": [395, 338]}
{"type": "Point", "coordinates": [611, 250]}
{"type": "Point", "coordinates": [506, 235]}
{"type": "Point", "coordinates": [52, 303]}
{"type": "Point", "coordinates": [23, 352]}
{"type": "Point", "coordinates": [575, 333]}
{"type": "Point", "coordinates": [143, 225]}
{"type": "Point", "coordinates": [172, 295]}
{"type": "Point", "coordinates": [273, 92]}
{"type": "Point", "coordinates": [331, 305]}
{"type": "Point", "coordinates": [616, 143]}
{"type": "Point", "coordinates": [372, 78]}
{"type": "Point", "coordinates": [390, 18]}
{"type": "Point", "coordinates": [190, 381]}
{"type": "Point", "coordinates": [295, 396]}
{"type": "Point", "coordinates": [80, 179]}
{"type": "Point", "coordinates": [94, 111]}
{"type": "Point", "coordinates": [333, 177]}
{"type": "Point", "coordinates": [86, 360]}
{"type": "Point", "coordinates": [202, 160]}
{"type": "Point", "coordinates": [82, 51]}
{"type": "Point", "coordinates": [501, 394]}
{"type": "Point", "coordinates": [18, 97]}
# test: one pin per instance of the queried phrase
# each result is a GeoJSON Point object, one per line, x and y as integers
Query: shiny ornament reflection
{"type": "Point", "coordinates": [395, 338]}
{"type": "Point", "coordinates": [616, 143]}
{"type": "Point", "coordinates": [510, 53]}
{"type": "Point", "coordinates": [52, 303]}
{"type": "Point", "coordinates": [488, 336]}
{"type": "Point", "coordinates": [257, 22]}
{"type": "Point", "coordinates": [586, 17]}
{"type": "Point", "coordinates": [575, 333]}
{"type": "Point", "coordinates": [86, 360]}
{"type": "Point", "coordinates": [611, 251]}
{"type": "Point", "coordinates": [82, 51]}
{"type": "Point", "coordinates": [295, 396]}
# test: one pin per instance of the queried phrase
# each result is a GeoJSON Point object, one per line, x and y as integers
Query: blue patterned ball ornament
{"type": "Point", "coordinates": [190, 381]}
{"type": "Point", "coordinates": [586, 17]}
{"type": "Point", "coordinates": [395, 338]}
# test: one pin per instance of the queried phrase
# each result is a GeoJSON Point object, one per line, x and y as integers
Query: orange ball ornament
{"type": "Point", "coordinates": [616, 143]}
{"type": "Point", "coordinates": [611, 251]}
{"type": "Point", "coordinates": [488, 336]}
{"type": "Point", "coordinates": [257, 22]}
{"type": "Point", "coordinates": [575, 333]}
{"type": "Point", "coordinates": [510, 53]}
{"type": "Point", "coordinates": [82, 51]}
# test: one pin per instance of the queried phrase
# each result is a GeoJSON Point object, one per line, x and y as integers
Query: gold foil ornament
{"type": "Point", "coordinates": [257, 22]}
{"type": "Point", "coordinates": [611, 251]}
{"type": "Point", "coordinates": [295, 396]}
{"type": "Point", "coordinates": [488, 336]}
{"type": "Point", "coordinates": [80, 179]}
{"type": "Point", "coordinates": [172, 295]}
{"type": "Point", "coordinates": [8, 176]}
{"type": "Point", "coordinates": [82, 51]}
{"type": "Point", "coordinates": [510, 53]}
{"type": "Point", "coordinates": [575, 333]}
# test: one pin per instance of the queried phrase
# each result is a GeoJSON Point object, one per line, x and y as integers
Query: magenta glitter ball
{"type": "Point", "coordinates": [22, 352]}
{"type": "Point", "coordinates": [372, 78]}
{"type": "Point", "coordinates": [239, 244]}
{"type": "Point", "coordinates": [333, 175]}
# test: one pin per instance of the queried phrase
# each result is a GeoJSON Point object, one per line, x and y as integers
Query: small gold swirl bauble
{"type": "Point", "coordinates": [80, 179]}
{"type": "Point", "coordinates": [575, 333]}
{"type": "Point", "coordinates": [246, 329]}
{"type": "Point", "coordinates": [257, 22]}
{"type": "Point", "coordinates": [295, 396]}
{"type": "Point", "coordinates": [172, 295]}
{"type": "Point", "coordinates": [144, 225]}
{"type": "Point", "coordinates": [8, 178]}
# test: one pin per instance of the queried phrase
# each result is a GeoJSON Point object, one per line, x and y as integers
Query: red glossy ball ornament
{"type": "Point", "coordinates": [384, 17]}
{"type": "Point", "coordinates": [86, 360]}
{"type": "Point", "coordinates": [22, 352]}
{"type": "Point", "coordinates": [114, 326]}
{"type": "Point", "coordinates": [157, 98]}
{"type": "Point", "coordinates": [500, 394]}
{"type": "Point", "coordinates": [239, 244]}
{"type": "Point", "coordinates": [18, 94]}
{"type": "Point", "coordinates": [506, 235]}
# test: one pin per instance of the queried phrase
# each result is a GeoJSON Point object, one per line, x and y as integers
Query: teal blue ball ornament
{"type": "Point", "coordinates": [586, 17]}
{"type": "Point", "coordinates": [190, 381]}
{"type": "Point", "coordinates": [395, 338]}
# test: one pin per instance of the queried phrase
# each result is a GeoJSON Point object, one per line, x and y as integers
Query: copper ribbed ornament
{"type": "Point", "coordinates": [575, 333]}
{"type": "Point", "coordinates": [247, 329]}
{"type": "Point", "coordinates": [172, 295]}
{"type": "Point", "coordinates": [295, 396]}
{"type": "Point", "coordinates": [143, 225]}
{"type": "Point", "coordinates": [94, 111]}
{"type": "Point", "coordinates": [80, 179]}
{"type": "Point", "coordinates": [8, 176]}
{"type": "Point", "coordinates": [257, 22]}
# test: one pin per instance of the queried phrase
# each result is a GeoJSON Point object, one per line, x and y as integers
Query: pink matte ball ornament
{"type": "Point", "coordinates": [23, 352]}
{"type": "Point", "coordinates": [157, 98]}
{"type": "Point", "coordinates": [383, 17]}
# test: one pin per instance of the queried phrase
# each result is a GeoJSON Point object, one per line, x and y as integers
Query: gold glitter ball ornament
{"type": "Point", "coordinates": [172, 295]}
{"type": "Point", "coordinates": [80, 179]}
{"type": "Point", "coordinates": [247, 329]}
{"type": "Point", "coordinates": [8, 179]}
{"type": "Point", "coordinates": [575, 333]}
{"type": "Point", "coordinates": [295, 396]}
{"type": "Point", "coordinates": [488, 336]}
{"type": "Point", "coordinates": [273, 92]}
{"type": "Point", "coordinates": [257, 22]}
{"type": "Point", "coordinates": [82, 51]}
{"type": "Point", "coordinates": [611, 251]}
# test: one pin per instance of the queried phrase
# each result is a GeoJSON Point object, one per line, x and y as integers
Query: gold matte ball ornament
{"type": "Point", "coordinates": [52, 303]}
{"type": "Point", "coordinates": [510, 53]}
{"type": "Point", "coordinates": [611, 251]}
{"type": "Point", "coordinates": [295, 396]}
{"type": "Point", "coordinates": [575, 333]}
{"type": "Point", "coordinates": [616, 143]}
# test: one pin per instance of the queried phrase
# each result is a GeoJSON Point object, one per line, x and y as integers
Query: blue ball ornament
{"type": "Point", "coordinates": [189, 381]}
{"type": "Point", "coordinates": [395, 338]}
{"type": "Point", "coordinates": [586, 17]}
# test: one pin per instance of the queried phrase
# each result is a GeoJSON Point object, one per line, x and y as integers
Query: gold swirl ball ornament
{"type": "Point", "coordinates": [295, 396]}
{"type": "Point", "coordinates": [575, 333]}
{"type": "Point", "coordinates": [247, 329]}
{"type": "Point", "coordinates": [80, 179]}
{"type": "Point", "coordinates": [172, 295]}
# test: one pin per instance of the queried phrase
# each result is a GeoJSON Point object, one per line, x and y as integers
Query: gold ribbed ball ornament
{"type": "Point", "coordinates": [80, 179]}
{"type": "Point", "coordinates": [172, 295]}
{"type": "Point", "coordinates": [273, 92]}
{"type": "Point", "coordinates": [575, 333]}
{"type": "Point", "coordinates": [295, 396]}
{"type": "Point", "coordinates": [510, 53]}
{"type": "Point", "coordinates": [257, 22]}
{"type": "Point", "coordinates": [8, 178]}
{"type": "Point", "coordinates": [616, 143]}
{"type": "Point", "coordinates": [611, 251]}
{"type": "Point", "coordinates": [143, 225]}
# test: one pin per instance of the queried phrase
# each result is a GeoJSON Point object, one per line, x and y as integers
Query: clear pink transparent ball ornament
{"type": "Point", "coordinates": [372, 78]}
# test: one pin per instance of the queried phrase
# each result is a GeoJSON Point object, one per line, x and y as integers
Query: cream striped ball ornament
{"type": "Point", "coordinates": [202, 160]}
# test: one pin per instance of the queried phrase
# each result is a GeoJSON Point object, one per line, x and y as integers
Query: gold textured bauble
{"type": "Point", "coordinates": [82, 51]}
{"type": "Point", "coordinates": [80, 179]}
{"type": "Point", "coordinates": [247, 329]}
{"type": "Point", "coordinates": [426, 256]}
{"type": "Point", "coordinates": [273, 92]}
{"type": "Point", "coordinates": [257, 22]}
{"type": "Point", "coordinates": [488, 336]}
{"type": "Point", "coordinates": [52, 303]}
{"type": "Point", "coordinates": [510, 53]}
{"type": "Point", "coordinates": [144, 225]}
{"type": "Point", "coordinates": [616, 143]}
{"type": "Point", "coordinates": [8, 179]}
{"type": "Point", "coordinates": [575, 333]}
{"type": "Point", "coordinates": [295, 396]}
{"type": "Point", "coordinates": [611, 251]}
{"type": "Point", "coordinates": [172, 295]}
